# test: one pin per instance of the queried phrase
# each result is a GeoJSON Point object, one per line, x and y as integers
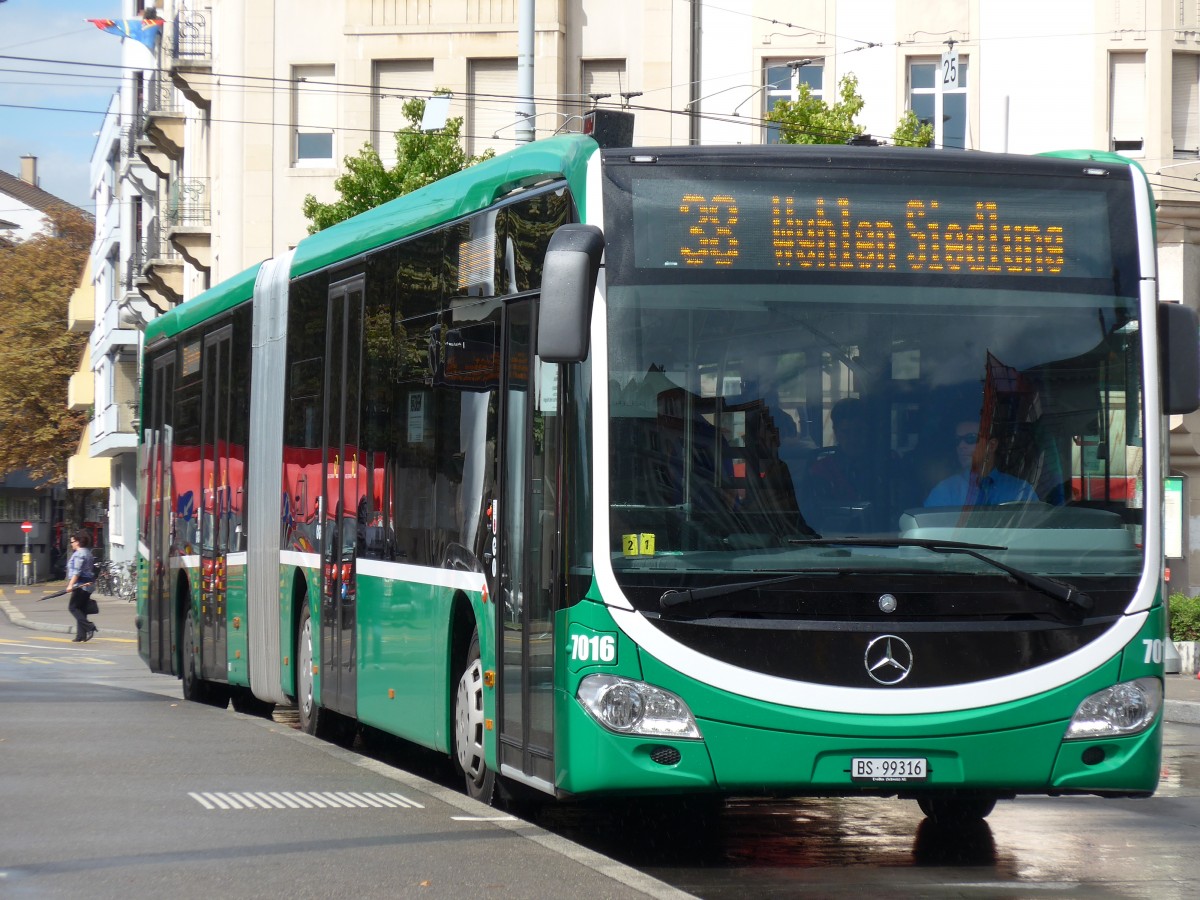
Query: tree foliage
{"type": "Point", "coordinates": [810, 120]}
{"type": "Point", "coordinates": [421, 158]}
{"type": "Point", "coordinates": [37, 277]}
{"type": "Point", "coordinates": [912, 132]}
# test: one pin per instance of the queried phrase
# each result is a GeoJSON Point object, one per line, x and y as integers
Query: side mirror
{"type": "Point", "coordinates": [568, 285]}
{"type": "Point", "coordinates": [1179, 349]}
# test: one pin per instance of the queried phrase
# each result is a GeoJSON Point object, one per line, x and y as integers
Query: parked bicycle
{"type": "Point", "coordinates": [105, 583]}
{"type": "Point", "coordinates": [115, 579]}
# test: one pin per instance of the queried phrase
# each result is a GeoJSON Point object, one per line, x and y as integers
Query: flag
{"type": "Point", "coordinates": [146, 31]}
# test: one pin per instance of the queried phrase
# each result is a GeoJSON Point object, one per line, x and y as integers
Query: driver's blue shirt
{"type": "Point", "coordinates": [968, 489]}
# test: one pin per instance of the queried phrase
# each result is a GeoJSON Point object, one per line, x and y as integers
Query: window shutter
{"type": "Point", "coordinates": [396, 82]}
{"type": "Point", "coordinates": [492, 106]}
{"type": "Point", "coordinates": [1128, 100]}
{"type": "Point", "coordinates": [603, 76]}
{"type": "Point", "coordinates": [1185, 103]}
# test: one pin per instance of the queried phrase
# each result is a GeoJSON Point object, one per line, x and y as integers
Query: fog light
{"type": "Point", "coordinates": [666, 756]}
{"type": "Point", "coordinates": [634, 707]}
{"type": "Point", "coordinates": [1123, 709]}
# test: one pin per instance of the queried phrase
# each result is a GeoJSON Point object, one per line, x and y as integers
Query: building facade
{"type": "Point", "coordinates": [247, 108]}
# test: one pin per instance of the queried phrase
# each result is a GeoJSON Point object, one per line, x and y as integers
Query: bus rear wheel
{"type": "Point", "coordinates": [469, 727]}
{"type": "Point", "coordinates": [311, 714]}
{"type": "Point", "coordinates": [314, 718]}
{"type": "Point", "coordinates": [195, 688]}
{"type": "Point", "coordinates": [957, 809]}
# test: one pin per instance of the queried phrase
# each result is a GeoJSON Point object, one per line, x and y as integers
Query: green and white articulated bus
{"type": "Point", "coordinates": [689, 470]}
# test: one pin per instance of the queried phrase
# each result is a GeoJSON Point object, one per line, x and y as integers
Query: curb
{"type": "Point", "coordinates": [18, 618]}
{"type": "Point", "coordinates": [1181, 712]}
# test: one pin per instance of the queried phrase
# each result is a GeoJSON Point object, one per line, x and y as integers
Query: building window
{"type": "Point", "coordinates": [396, 82]}
{"type": "Point", "coordinates": [492, 107]}
{"type": "Point", "coordinates": [116, 511]}
{"type": "Point", "coordinates": [602, 76]}
{"type": "Point", "coordinates": [1127, 102]}
{"type": "Point", "coordinates": [19, 509]}
{"type": "Point", "coordinates": [782, 82]}
{"type": "Point", "coordinates": [314, 108]}
{"type": "Point", "coordinates": [1185, 105]}
{"type": "Point", "coordinates": [945, 110]}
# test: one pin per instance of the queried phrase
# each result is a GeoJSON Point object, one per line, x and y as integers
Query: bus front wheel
{"type": "Point", "coordinates": [469, 727]}
{"type": "Point", "coordinates": [957, 809]}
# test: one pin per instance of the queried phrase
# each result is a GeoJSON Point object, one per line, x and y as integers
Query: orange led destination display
{"type": "Point", "coordinates": [872, 229]}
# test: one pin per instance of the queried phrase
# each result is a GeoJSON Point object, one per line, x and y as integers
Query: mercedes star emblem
{"type": "Point", "coordinates": [888, 659]}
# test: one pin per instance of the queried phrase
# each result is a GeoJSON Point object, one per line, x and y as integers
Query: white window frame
{"type": "Point", "coordinates": [314, 115]}
{"type": "Point", "coordinates": [811, 73]}
{"type": "Point", "coordinates": [939, 98]}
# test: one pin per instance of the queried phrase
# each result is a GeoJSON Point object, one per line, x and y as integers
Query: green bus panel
{"type": "Point", "coordinates": [237, 625]}
{"type": "Point", "coordinates": [450, 198]}
{"type": "Point", "coordinates": [751, 746]}
{"type": "Point", "coordinates": [216, 300]}
{"type": "Point", "coordinates": [289, 620]}
{"type": "Point", "coordinates": [404, 673]}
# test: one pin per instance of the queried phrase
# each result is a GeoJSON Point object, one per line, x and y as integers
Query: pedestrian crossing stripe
{"type": "Point", "coordinates": [229, 800]}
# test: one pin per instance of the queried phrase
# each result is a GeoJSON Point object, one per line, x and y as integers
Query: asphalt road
{"type": "Point", "coordinates": [112, 786]}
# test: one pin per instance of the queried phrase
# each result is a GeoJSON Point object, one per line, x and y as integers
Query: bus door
{"type": "Point", "coordinates": [526, 590]}
{"type": "Point", "coordinates": [340, 500]}
{"type": "Point", "coordinates": [215, 503]}
{"type": "Point", "coordinates": [159, 513]}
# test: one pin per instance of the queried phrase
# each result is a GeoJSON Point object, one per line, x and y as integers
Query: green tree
{"type": "Point", "coordinates": [421, 158]}
{"type": "Point", "coordinates": [37, 277]}
{"type": "Point", "coordinates": [912, 132]}
{"type": "Point", "coordinates": [810, 120]}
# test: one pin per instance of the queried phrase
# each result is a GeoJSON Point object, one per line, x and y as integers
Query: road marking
{"type": "Point", "coordinates": [230, 800]}
{"type": "Point", "coordinates": [483, 818]}
{"type": "Point", "coordinates": [68, 660]}
{"type": "Point", "coordinates": [9, 643]}
{"type": "Point", "coordinates": [67, 640]}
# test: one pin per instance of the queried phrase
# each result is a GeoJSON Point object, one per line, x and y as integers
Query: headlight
{"type": "Point", "coordinates": [633, 707]}
{"type": "Point", "coordinates": [1122, 709]}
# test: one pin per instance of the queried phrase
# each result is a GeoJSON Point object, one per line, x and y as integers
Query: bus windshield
{"type": "Point", "coordinates": [798, 354]}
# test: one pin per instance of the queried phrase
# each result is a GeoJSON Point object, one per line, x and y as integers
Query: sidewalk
{"type": "Point", "coordinates": [24, 606]}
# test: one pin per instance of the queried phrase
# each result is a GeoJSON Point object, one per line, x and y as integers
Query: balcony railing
{"type": "Point", "coordinates": [160, 96]}
{"type": "Point", "coordinates": [156, 247]}
{"type": "Point", "coordinates": [133, 268]}
{"type": "Point", "coordinates": [192, 37]}
{"type": "Point", "coordinates": [189, 203]}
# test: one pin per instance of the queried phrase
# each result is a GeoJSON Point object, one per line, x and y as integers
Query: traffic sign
{"type": "Point", "coordinates": [27, 527]}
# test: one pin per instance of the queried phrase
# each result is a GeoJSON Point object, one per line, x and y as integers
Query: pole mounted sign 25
{"type": "Point", "coordinates": [949, 70]}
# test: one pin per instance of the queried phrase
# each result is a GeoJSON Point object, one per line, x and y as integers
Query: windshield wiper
{"type": "Point", "coordinates": [675, 597]}
{"type": "Point", "coordinates": [1051, 587]}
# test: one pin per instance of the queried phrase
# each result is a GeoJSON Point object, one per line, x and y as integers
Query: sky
{"type": "Point", "coordinates": [53, 110]}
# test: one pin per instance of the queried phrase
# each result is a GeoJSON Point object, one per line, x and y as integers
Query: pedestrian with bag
{"type": "Point", "coordinates": [81, 579]}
